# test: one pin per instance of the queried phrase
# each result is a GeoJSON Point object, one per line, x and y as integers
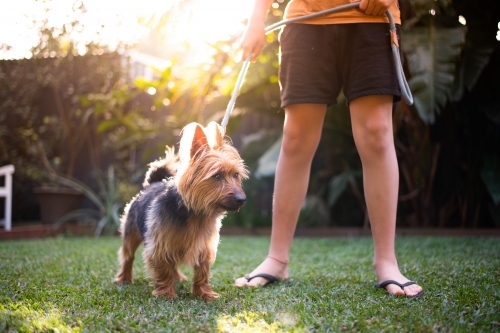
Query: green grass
{"type": "Point", "coordinates": [65, 284]}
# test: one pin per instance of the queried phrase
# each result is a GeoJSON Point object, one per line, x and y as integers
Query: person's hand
{"type": "Point", "coordinates": [375, 7]}
{"type": "Point", "coordinates": [253, 39]}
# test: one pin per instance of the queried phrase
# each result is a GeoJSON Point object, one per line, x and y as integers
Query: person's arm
{"type": "Point", "coordinates": [254, 37]}
{"type": "Point", "coordinates": [375, 7]}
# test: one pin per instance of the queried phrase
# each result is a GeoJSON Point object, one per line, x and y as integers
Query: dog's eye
{"type": "Point", "coordinates": [217, 176]}
{"type": "Point", "coordinates": [236, 175]}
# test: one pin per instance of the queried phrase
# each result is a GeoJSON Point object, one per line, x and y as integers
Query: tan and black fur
{"type": "Point", "coordinates": [178, 213]}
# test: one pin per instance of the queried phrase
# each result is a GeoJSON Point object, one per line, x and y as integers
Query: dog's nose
{"type": "Point", "coordinates": [240, 199]}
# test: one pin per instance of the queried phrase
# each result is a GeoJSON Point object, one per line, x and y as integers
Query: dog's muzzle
{"type": "Point", "coordinates": [235, 202]}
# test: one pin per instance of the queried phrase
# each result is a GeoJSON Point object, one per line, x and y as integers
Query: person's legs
{"type": "Point", "coordinates": [301, 135]}
{"type": "Point", "coordinates": [372, 129]}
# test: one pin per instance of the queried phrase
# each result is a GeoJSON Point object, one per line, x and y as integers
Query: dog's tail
{"type": "Point", "coordinates": [162, 168]}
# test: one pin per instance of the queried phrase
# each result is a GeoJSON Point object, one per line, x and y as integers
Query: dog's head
{"type": "Point", "coordinates": [211, 171]}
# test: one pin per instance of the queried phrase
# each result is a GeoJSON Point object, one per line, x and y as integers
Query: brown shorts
{"type": "Point", "coordinates": [318, 61]}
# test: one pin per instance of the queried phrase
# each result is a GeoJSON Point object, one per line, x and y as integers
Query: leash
{"type": "Point", "coordinates": [403, 84]}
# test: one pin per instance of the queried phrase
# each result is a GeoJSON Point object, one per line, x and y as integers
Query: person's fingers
{"type": "Point", "coordinates": [363, 4]}
{"type": "Point", "coordinates": [370, 8]}
{"type": "Point", "coordinates": [381, 10]}
{"type": "Point", "coordinates": [253, 40]}
{"type": "Point", "coordinates": [247, 49]}
{"type": "Point", "coordinates": [253, 53]}
{"type": "Point", "coordinates": [256, 51]}
{"type": "Point", "coordinates": [374, 7]}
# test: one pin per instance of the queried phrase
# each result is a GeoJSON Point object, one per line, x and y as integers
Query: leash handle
{"type": "Point", "coordinates": [277, 25]}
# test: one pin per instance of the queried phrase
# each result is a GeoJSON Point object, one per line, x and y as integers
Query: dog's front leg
{"type": "Point", "coordinates": [164, 282]}
{"type": "Point", "coordinates": [164, 275]}
{"type": "Point", "coordinates": [201, 287]}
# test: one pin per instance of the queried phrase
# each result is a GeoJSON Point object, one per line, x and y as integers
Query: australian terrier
{"type": "Point", "coordinates": [179, 211]}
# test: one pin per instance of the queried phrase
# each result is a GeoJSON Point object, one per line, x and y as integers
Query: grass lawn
{"type": "Point", "coordinates": [65, 284]}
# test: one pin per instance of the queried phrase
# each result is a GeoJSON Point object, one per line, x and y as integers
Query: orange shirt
{"type": "Point", "coordinates": [296, 8]}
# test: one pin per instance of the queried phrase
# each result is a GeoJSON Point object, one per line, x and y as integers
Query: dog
{"type": "Point", "coordinates": [178, 213]}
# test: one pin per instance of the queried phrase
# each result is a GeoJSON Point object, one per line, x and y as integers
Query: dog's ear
{"type": "Point", "coordinates": [199, 140]}
{"type": "Point", "coordinates": [214, 135]}
{"type": "Point", "coordinates": [193, 139]}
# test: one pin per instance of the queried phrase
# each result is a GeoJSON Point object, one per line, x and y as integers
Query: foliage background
{"type": "Point", "coordinates": [86, 113]}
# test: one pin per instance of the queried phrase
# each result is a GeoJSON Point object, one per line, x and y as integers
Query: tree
{"type": "Point", "coordinates": [447, 142]}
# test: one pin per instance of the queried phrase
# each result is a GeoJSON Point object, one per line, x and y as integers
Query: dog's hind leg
{"type": "Point", "coordinates": [131, 241]}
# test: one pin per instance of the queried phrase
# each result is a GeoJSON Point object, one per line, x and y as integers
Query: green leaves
{"type": "Point", "coordinates": [339, 183]}
{"type": "Point", "coordinates": [267, 162]}
{"type": "Point", "coordinates": [491, 177]}
{"type": "Point", "coordinates": [108, 207]}
{"type": "Point", "coordinates": [432, 52]}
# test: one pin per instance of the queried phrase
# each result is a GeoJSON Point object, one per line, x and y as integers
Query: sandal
{"type": "Point", "coordinates": [402, 286]}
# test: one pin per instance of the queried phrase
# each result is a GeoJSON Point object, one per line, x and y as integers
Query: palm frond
{"type": "Point", "coordinates": [432, 52]}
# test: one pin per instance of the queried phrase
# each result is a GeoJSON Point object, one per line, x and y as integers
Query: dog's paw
{"type": "Point", "coordinates": [168, 292]}
{"type": "Point", "coordinates": [210, 296]}
{"type": "Point", "coordinates": [123, 279]}
{"type": "Point", "coordinates": [206, 293]}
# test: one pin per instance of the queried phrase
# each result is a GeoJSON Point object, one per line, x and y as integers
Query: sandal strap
{"type": "Point", "coordinates": [269, 277]}
{"type": "Point", "coordinates": [401, 285]}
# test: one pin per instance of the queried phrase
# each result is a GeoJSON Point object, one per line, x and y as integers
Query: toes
{"type": "Point", "coordinates": [408, 291]}
{"type": "Point", "coordinates": [413, 290]}
{"type": "Point", "coordinates": [240, 282]}
{"type": "Point", "coordinates": [394, 290]}
{"type": "Point", "coordinates": [257, 282]}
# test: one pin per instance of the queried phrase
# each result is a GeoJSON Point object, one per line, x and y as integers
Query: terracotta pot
{"type": "Point", "coordinates": [55, 202]}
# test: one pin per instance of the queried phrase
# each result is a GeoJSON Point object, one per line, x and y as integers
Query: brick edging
{"type": "Point", "coordinates": [44, 231]}
{"type": "Point", "coordinates": [360, 232]}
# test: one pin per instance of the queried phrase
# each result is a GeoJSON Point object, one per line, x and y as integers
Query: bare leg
{"type": "Point", "coordinates": [301, 135]}
{"type": "Point", "coordinates": [372, 130]}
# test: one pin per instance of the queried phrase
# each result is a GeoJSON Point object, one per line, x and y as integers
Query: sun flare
{"type": "Point", "coordinates": [197, 22]}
